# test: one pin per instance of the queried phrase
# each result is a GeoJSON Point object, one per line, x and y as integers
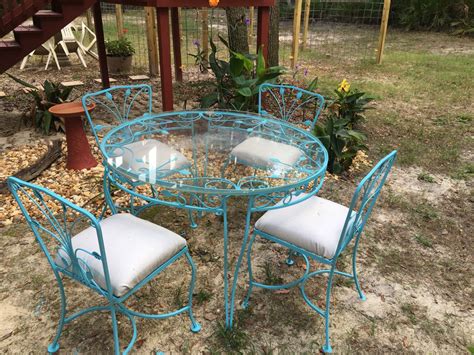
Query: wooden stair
{"type": "Point", "coordinates": [46, 23]}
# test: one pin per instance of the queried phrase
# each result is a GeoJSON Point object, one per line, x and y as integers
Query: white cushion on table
{"type": "Point", "coordinates": [259, 151]}
{"type": "Point", "coordinates": [149, 154]}
{"type": "Point", "coordinates": [134, 248]}
{"type": "Point", "coordinates": [314, 225]}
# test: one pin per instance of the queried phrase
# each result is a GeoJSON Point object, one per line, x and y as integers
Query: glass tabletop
{"type": "Point", "coordinates": [230, 153]}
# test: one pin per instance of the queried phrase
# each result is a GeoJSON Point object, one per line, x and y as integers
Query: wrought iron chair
{"type": "Point", "coordinates": [284, 102]}
{"type": "Point", "coordinates": [119, 104]}
{"type": "Point", "coordinates": [114, 257]}
{"type": "Point", "coordinates": [321, 230]}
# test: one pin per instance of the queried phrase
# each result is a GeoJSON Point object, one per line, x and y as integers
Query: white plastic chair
{"type": "Point", "coordinates": [87, 48]}
{"type": "Point", "coordinates": [47, 48]}
{"type": "Point", "coordinates": [70, 44]}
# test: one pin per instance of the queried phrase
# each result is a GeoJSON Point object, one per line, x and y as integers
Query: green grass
{"type": "Point", "coordinates": [426, 177]}
{"type": "Point", "coordinates": [424, 241]}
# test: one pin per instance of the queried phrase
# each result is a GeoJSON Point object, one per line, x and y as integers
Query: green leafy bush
{"type": "Point", "coordinates": [44, 97]}
{"type": "Point", "coordinates": [336, 130]}
{"type": "Point", "coordinates": [348, 104]}
{"type": "Point", "coordinates": [121, 47]}
{"type": "Point", "coordinates": [238, 80]}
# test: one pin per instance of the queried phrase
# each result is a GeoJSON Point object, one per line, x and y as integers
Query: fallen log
{"type": "Point", "coordinates": [29, 173]}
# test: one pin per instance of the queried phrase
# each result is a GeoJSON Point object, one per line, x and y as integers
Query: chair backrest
{"type": "Point", "coordinates": [290, 103]}
{"type": "Point", "coordinates": [67, 34]}
{"type": "Point", "coordinates": [117, 105]}
{"type": "Point", "coordinates": [54, 221]}
{"type": "Point", "coordinates": [364, 199]}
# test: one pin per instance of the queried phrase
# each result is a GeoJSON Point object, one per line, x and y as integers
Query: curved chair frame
{"type": "Point", "coordinates": [58, 228]}
{"type": "Point", "coordinates": [360, 209]}
{"type": "Point", "coordinates": [290, 100]}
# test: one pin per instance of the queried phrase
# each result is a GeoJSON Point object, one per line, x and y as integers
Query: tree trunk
{"type": "Point", "coordinates": [274, 41]}
{"type": "Point", "coordinates": [237, 29]}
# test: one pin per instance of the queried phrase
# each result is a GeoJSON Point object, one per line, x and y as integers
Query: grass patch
{"type": "Point", "coordinates": [426, 211]}
{"type": "Point", "coordinates": [426, 177]}
{"type": "Point", "coordinates": [409, 310]}
{"type": "Point", "coordinates": [424, 241]}
{"type": "Point", "coordinates": [202, 296]}
{"type": "Point", "coordinates": [231, 339]}
{"type": "Point", "coordinates": [271, 278]}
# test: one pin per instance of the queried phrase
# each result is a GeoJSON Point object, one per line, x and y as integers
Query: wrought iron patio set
{"type": "Point", "coordinates": [198, 161]}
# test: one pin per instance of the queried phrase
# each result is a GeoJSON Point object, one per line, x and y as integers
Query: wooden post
{"type": "Point", "coordinates": [119, 20]}
{"type": "Point", "coordinates": [89, 22]}
{"type": "Point", "coordinates": [152, 42]}
{"type": "Point", "coordinates": [263, 30]}
{"type": "Point", "coordinates": [205, 33]}
{"type": "Point", "coordinates": [99, 33]}
{"type": "Point", "coordinates": [307, 10]}
{"type": "Point", "coordinates": [383, 30]}
{"type": "Point", "coordinates": [296, 32]}
{"type": "Point", "coordinates": [178, 67]}
{"type": "Point", "coordinates": [164, 47]}
{"type": "Point", "coordinates": [251, 23]}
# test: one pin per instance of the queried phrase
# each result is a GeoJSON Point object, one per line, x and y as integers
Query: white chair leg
{"type": "Point", "coordinates": [81, 58]}
{"type": "Point", "coordinates": [56, 59]}
{"type": "Point", "coordinates": [23, 62]}
{"type": "Point", "coordinates": [47, 61]}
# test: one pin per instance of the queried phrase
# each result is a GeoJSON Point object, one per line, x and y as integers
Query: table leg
{"type": "Point", "coordinates": [79, 154]}
{"type": "Point", "coordinates": [230, 303]}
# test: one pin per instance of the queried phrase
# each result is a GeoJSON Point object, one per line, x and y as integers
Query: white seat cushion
{"type": "Point", "coordinates": [134, 248]}
{"type": "Point", "coordinates": [314, 225]}
{"type": "Point", "coordinates": [147, 156]}
{"type": "Point", "coordinates": [261, 152]}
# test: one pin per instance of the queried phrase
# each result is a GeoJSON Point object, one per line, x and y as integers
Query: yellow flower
{"type": "Point", "coordinates": [213, 3]}
{"type": "Point", "coordinates": [344, 86]}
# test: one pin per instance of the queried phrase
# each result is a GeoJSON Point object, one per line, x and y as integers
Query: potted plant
{"type": "Point", "coordinates": [119, 55]}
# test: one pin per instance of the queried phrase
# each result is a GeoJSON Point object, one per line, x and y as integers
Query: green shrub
{"type": "Point", "coordinates": [121, 47]}
{"type": "Point", "coordinates": [45, 97]}
{"type": "Point", "coordinates": [336, 130]}
{"type": "Point", "coordinates": [238, 80]}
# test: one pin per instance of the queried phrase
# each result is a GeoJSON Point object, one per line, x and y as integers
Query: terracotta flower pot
{"type": "Point", "coordinates": [119, 65]}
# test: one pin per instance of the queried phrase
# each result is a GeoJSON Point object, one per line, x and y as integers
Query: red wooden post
{"type": "Point", "coordinates": [99, 32]}
{"type": "Point", "coordinates": [178, 70]}
{"type": "Point", "coordinates": [263, 29]}
{"type": "Point", "coordinates": [163, 24]}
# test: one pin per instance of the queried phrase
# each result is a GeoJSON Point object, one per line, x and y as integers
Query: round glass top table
{"type": "Point", "coordinates": [198, 160]}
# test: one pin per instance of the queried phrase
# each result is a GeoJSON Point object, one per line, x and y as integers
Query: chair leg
{"type": "Point", "coordinates": [290, 260]}
{"type": "Point", "coordinates": [54, 346]}
{"type": "Point", "coordinates": [354, 272]}
{"type": "Point", "coordinates": [81, 58]}
{"type": "Point", "coordinates": [327, 345]}
{"type": "Point", "coordinates": [195, 327]}
{"type": "Point", "coordinates": [245, 302]}
{"type": "Point", "coordinates": [115, 329]}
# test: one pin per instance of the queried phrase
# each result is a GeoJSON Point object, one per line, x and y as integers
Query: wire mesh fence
{"type": "Point", "coordinates": [342, 30]}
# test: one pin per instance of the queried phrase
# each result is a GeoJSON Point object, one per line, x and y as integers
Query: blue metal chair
{"type": "Point", "coordinates": [114, 257]}
{"type": "Point", "coordinates": [321, 230]}
{"type": "Point", "coordinates": [117, 105]}
{"type": "Point", "coordinates": [284, 102]}
{"type": "Point", "coordinates": [290, 103]}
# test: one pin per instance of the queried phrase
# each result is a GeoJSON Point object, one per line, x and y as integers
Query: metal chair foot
{"type": "Point", "coordinates": [53, 348]}
{"type": "Point", "coordinates": [362, 297]}
{"type": "Point", "coordinates": [196, 327]}
{"type": "Point", "coordinates": [327, 348]}
{"type": "Point", "coordinates": [289, 262]}
{"type": "Point", "coordinates": [245, 304]}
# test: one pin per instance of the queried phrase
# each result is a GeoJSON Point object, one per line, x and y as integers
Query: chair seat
{"type": "Point", "coordinates": [314, 225]}
{"type": "Point", "coordinates": [134, 248]}
{"type": "Point", "coordinates": [261, 152]}
{"type": "Point", "coordinates": [150, 156]}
